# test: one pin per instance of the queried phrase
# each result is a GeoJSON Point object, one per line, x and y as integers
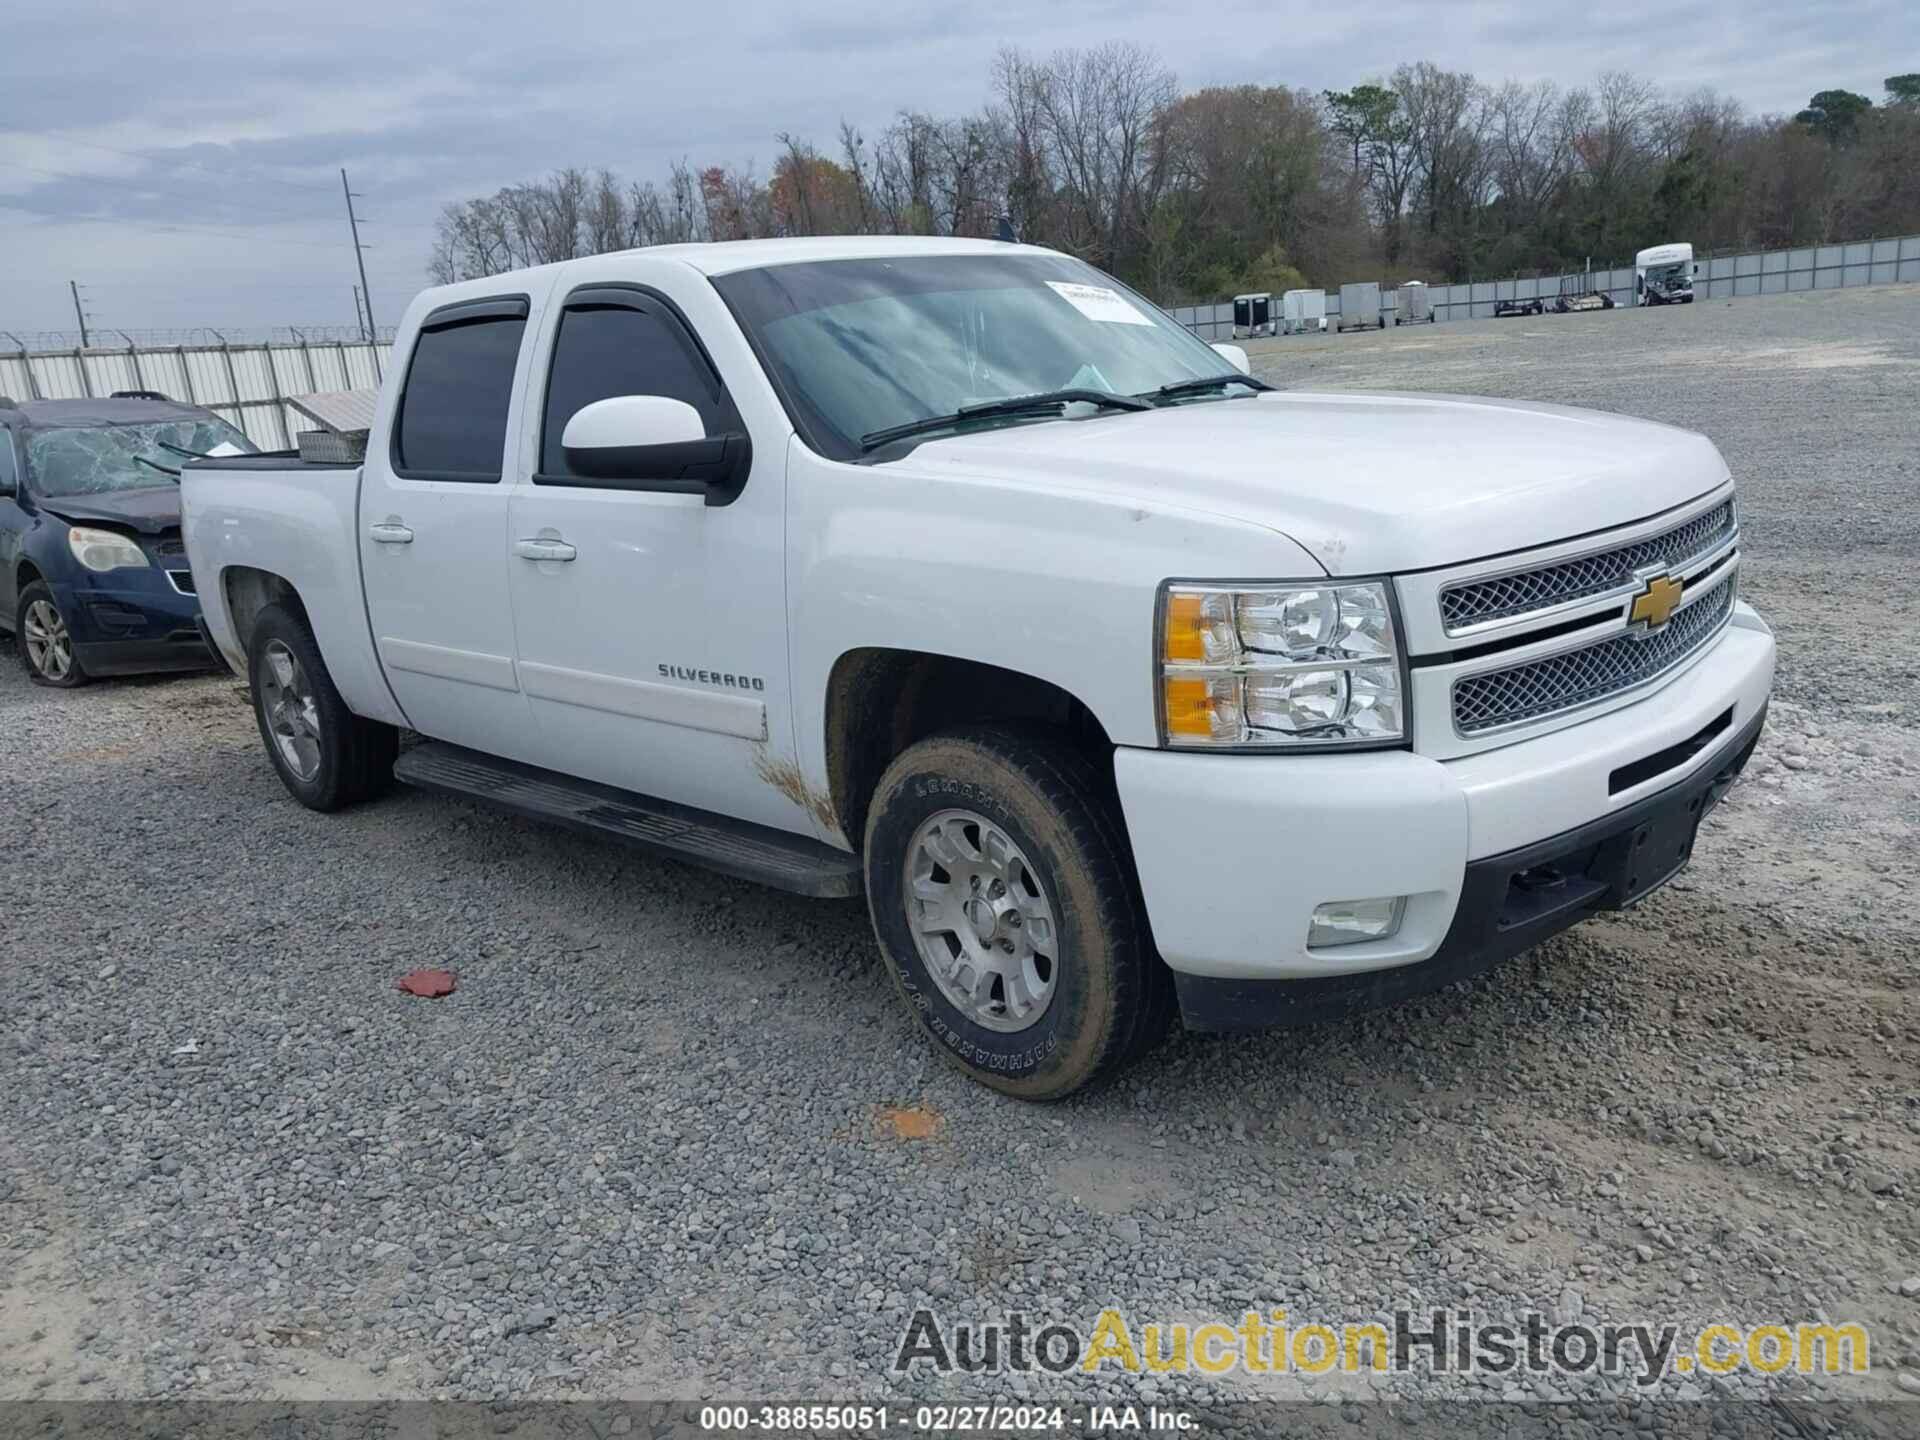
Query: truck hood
{"type": "Point", "coordinates": [1368, 483]}
{"type": "Point", "coordinates": [148, 510]}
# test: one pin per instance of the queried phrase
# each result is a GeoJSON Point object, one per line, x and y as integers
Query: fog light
{"type": "Point", "coordinates": [1348, 922]}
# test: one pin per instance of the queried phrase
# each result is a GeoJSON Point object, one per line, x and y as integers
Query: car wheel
{"type": "Point", "coordinates": [1004, 899]}
{"type": "Point", "coordinates": [45, 641]}
{"type": "Point", "coordinates": [326, 756]}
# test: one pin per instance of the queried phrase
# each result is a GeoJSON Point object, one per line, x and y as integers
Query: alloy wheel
{"type": "Point", "coordinates": [292, 713]}
{"type": "Point", "coordinates": [982, 921]}
{"type": "Point", "coordinates": [49, 645]}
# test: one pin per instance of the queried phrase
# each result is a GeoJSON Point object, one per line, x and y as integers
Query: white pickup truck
{"type": "Point", "coordinates": [957, 574]}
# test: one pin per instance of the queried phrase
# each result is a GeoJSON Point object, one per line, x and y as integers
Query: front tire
{"type": "Point", "coordinates": [1004, 900]}
{"type": "Point", "coordinates": [46, 640]}
{"type": "Point", "coordinates": [325, 755]}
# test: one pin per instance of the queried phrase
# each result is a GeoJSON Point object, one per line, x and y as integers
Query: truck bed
{"type": "Point", "coordinates": [253, 523]}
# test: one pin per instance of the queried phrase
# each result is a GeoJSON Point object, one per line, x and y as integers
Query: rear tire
{"type": "Point", "coordinates": [327, 756]}
{"type": "Point", "coordinates": [1003, 895]}
{"type": "Point", "coordinates": [45, 640]}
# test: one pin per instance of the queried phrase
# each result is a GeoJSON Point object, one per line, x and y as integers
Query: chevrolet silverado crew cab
{"type": "Point", "coordinates": [956, 574]}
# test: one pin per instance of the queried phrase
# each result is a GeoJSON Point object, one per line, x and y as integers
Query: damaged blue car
{"type": "Point", "coordinates": [93, 576]}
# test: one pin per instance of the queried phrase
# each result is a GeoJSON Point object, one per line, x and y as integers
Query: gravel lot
{"type": "Point", "coordinates": [654, 1145]}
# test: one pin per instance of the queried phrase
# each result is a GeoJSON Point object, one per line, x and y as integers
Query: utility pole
{"type": "Point", "coordinates": [359, 251]}
{"type": "Point", "coordinates": [359, 316]}
{"type": "Point", "coordinates": [79, 314]}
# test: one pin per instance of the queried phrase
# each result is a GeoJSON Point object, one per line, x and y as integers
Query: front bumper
{"type": "Point", "coordinates": [133, 622]}
{"type": "Point", "coordinates": [1508, 903]}
{"type": "Point", "coordinates": [1234, 853]}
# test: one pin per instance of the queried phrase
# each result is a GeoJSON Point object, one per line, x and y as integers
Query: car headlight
{"type": "Point", "coordinates": [1293, 666]}
{"type": "Point", "coordinates": [105, 549]}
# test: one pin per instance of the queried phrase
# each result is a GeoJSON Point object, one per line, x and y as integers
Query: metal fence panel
{"type": "Point", "coordinates": [246, 385]}
{"type": "Point", "coordinates": [1760, 272]}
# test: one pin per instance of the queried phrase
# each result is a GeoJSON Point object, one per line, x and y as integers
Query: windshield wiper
{"type": "Point", "coordinates": [156, 465]}
{"type": "Point", "coordinates": [1013, 405]}
{"type": "Point", "coordinates": [1204, 383]}
{"type": "Point", "coordinates": [183, 450]}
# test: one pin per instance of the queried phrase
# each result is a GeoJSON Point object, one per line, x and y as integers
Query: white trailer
{"type": "Point", "coordinates": [1413, 304]}
{"type": "Point", "coordinates": [1663, 275]}
{"type": "Point", "coordinates": [1360, 306]}
{"type": "Point", "coordinates": [1252, 315]}
{"type": "Point", "coordinates": [1303, 310]}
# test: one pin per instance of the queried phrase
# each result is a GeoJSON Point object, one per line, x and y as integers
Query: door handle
{"type": "Point", "coordinates": [544, 550]}
{"type": "Point", "coordinates": [389, 533]}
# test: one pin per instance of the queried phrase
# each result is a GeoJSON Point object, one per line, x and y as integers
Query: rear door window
{"type": "Point", "coordinates": [453, 410]}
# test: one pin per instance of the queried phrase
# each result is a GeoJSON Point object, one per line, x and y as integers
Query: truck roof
{"type": "Point", "coordinates": [724, 257]}
{"type": "Point", "coordinates": [1664, 254]}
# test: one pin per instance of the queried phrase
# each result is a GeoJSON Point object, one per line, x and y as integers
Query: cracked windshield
{"type": "Point", "coordinates": [125, 457]}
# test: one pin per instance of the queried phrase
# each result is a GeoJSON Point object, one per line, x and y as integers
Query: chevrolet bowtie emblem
{"type": "Point", "coordinates": [1653, 606]}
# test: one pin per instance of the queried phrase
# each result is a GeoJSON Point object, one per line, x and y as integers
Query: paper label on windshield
{"type": "Point", "coordinates": [1097, 302]}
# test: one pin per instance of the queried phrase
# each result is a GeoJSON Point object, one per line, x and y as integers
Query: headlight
{"type": "Point", "coordinates": [1280, 666]}
{"type": "Point", "coordinates": [105, 549]}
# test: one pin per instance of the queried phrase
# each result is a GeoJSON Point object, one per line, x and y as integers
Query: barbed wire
{"type": "Point", "coordinates": [106, 340]}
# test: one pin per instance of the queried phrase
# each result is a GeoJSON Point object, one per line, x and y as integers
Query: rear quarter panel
{"type": "Point", "coordinates": [299, 522]}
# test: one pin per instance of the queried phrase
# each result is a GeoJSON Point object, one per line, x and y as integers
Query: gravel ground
{"type": "Point", "coordinates": [673, 1135]}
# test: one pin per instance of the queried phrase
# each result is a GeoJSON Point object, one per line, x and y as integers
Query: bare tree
{"type": "Point", "coordinates": [1099, 112]}
{"type": "Point", "coordinates": [1096, 152]}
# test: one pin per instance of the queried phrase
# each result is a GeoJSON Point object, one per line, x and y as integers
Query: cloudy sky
{"type": "Point", "coordinates": [181, 161]}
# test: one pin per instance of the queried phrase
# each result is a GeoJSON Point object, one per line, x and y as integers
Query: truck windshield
{"type": "Point", "coordinates": [859, 346]}
{"type": "Point", "coordinates": [88, 461]}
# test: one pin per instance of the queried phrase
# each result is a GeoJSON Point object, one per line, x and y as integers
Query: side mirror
{"type": "Point", "coordinates": [651, 442]}
{"type": "Point", "coordinates": [1236, 357]}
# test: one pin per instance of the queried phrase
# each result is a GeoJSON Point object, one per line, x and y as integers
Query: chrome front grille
{"type": "Point", "coordinates": [1495, 699]}
{"type": "Point", "coordinates": [1478, 602]}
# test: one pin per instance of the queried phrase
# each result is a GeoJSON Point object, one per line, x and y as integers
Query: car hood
{"type": "Point", "coordinates": [1368, 483]}
{"type": "Point", "coordinates": [148, 511]}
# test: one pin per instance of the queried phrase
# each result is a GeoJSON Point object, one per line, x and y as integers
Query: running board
{"type": "Point", "coordinates": [679, 832]}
